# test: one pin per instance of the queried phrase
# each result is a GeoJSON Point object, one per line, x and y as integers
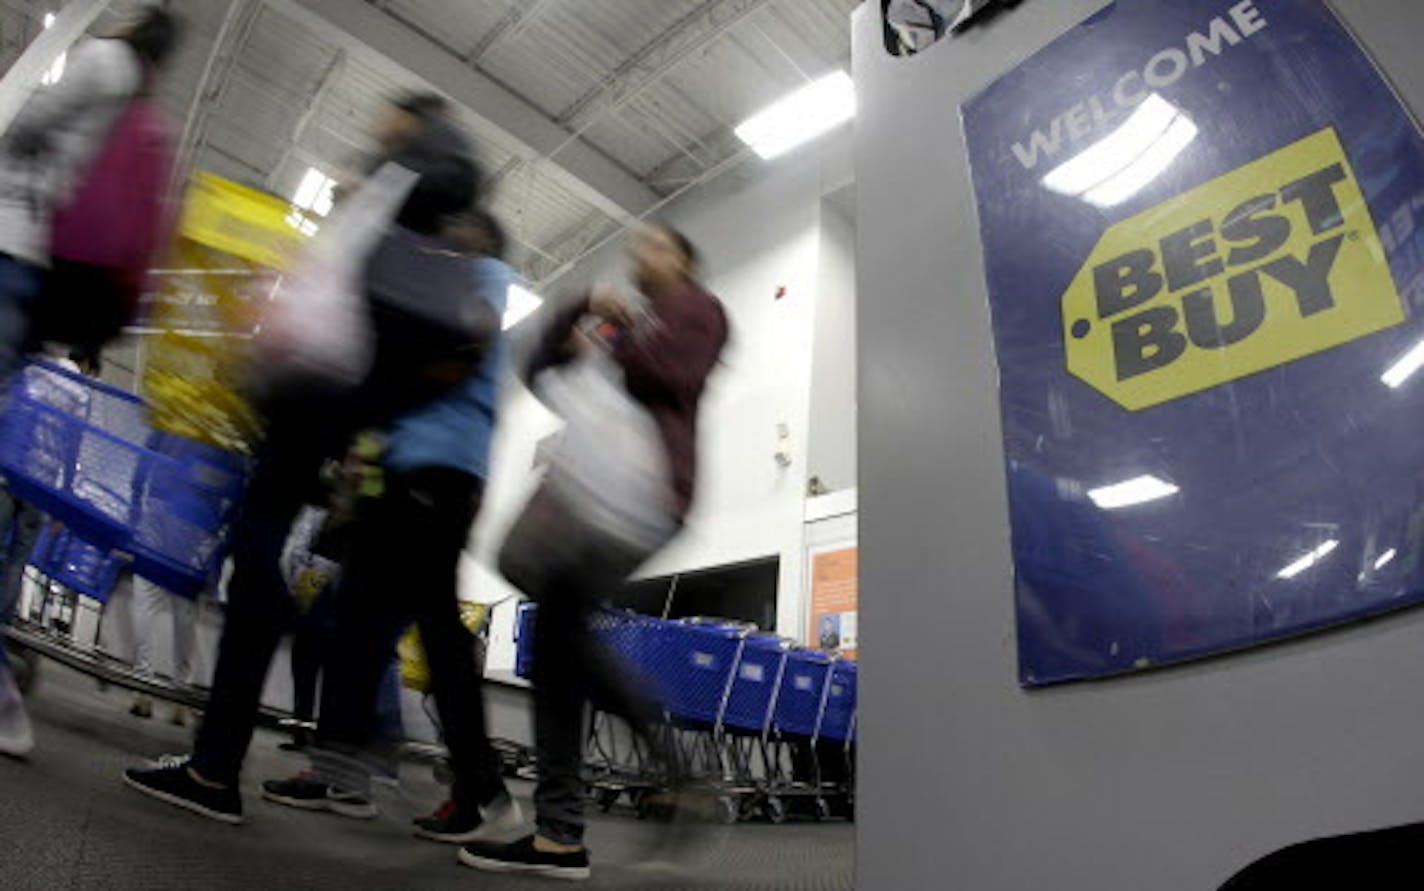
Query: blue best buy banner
{"type": "Point", "coordinates": [1202, 238]}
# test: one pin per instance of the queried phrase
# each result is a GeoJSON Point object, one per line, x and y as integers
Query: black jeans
{"type": "Point", "coordinates": [309, 645]}
{"type": "Point", "coordinates": [304, 428]}
{"type": "Point", "coordinates": [301, 435]}
{"type": "Point", "coordinates": [21, 524]}
{"type": "Point", "coordinates": [404, 568]}
{"type": "Point", "coordinates": [568, 568]}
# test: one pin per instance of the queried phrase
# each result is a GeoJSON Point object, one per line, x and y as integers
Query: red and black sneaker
{"type": "Point", "coordinates": [451, 824]}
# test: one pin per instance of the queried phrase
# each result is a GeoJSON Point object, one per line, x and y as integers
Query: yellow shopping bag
{"type": "Point", "coordinates": [414, 668]}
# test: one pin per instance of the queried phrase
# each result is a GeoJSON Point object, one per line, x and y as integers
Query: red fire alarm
{"type": "Point", "coordinates": [780, 291]}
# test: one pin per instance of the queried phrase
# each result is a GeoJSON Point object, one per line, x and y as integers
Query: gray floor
{"type": "Point", "coordinates": [66, 822]}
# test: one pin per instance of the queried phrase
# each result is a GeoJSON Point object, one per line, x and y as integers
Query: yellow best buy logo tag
{"type": "Point", "coordinates": [1276, 260]}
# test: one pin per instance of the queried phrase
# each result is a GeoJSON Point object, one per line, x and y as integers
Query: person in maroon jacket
{"type": "Point", "coordinates": [566, 563]}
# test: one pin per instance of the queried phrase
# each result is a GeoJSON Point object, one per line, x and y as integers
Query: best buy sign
{"type": "Point", "coordinates": [1274, 261]}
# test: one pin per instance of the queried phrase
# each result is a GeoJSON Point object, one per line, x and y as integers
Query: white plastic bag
{"type": "Point", "coordinates": [610, 465]}
{"type": "Point", "coordinates": [316, 328]}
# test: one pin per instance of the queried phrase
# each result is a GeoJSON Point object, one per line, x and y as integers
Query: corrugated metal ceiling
{"type": "Point", "coordinates": [653, 85]}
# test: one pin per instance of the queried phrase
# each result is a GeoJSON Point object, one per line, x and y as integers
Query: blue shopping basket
{"type": "Point", "coordinates": [74, 447]}
{"type": "Point", "coordinates": [187, 500]}
{"type": "Point", "coordinates": [754, 685]}
{"type": "Point", "coordinates": [83, 452]}
{"type": "Point", "coordinates": [800, 698]}
{"type": "Point", "coordinates": [75, 563]}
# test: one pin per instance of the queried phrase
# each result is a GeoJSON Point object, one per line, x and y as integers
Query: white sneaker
{"type": "Point", "coordinates": [17, 738]}
{"type": "Point", "coordinates": [503, 821]}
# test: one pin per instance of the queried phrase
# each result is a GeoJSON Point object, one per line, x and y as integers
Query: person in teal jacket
{"type": "Point", "coordinates": [403, 567]}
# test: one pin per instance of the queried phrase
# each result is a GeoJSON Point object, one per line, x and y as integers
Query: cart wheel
{"type": "Point", "coordinates": [748, 807]}
{"type": "Point", "coordinates": [823, 810]}
{"type": "Point", "coordinates": [641, 805]}
{"type": "Point", "coordinates": [443, 773]}
{"type": "Point", "coordinates": [26, 666]}
{"type": "Point", "coordinates": [606, 799]}
{"type": "Point", "coordinates": [775, 810]}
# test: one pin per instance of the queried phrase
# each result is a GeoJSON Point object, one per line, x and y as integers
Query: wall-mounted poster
{"type": "Point", "coordinates": [1203, 228]}
{"type": "Point", "coordinates": [835, 600]}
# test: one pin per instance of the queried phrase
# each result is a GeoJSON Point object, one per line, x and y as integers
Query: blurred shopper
{"type": "Point", "coordinates": [85, 169]}
{"type": "Point", "coordinates": [150, 603]}
{"type": "Point", "coordinates": [320, 545]}
{"type": "Point", "coordinates": [413, 281]}
{"type": "Point", "coordinates": [403, 568]}
{"type": "Point", "coordinates": [16, 735]}
{"type": "Point", "coordinates": [597, 517]}
{"type": "Point", "coordinates": [23, 524]}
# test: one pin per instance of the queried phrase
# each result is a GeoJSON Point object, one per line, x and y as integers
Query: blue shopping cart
{"type": "Point", "coordinates": [746, 715]}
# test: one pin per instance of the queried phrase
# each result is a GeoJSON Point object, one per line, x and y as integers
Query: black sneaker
{"type": "Point", "coordinates": [522, 857]}
{"type": "Point", "coordinates": [502, 821]}
{"type": "Point", "coordinates": [169, 781]}
{"type": "Point", "coordinates": [304, 793]}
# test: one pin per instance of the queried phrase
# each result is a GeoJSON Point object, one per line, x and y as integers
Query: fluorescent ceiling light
{"type": "Point", "coordinates": [519, 303]}
{"type": "Point", "coordinates": [56, 68]}
{"type": "Point", "coordinates": [298, 220]}
{"type": "Point", "coordinates": [314, 192]}
{"type": "Point", "coordinates": [1308, 560]}
{"type": "Point", "coordinates": [1129, 492]}
{"type": "Point", "coordinates": [1124, 162]}
{"type": "Point", "coordinates": [800, 117]}
{"type": "Point", "coordinates": [1383, 560]}
{"type": "Point", "coordinates": [1402, 370]}
{"type": "Point", "coordinates": [55, 72]}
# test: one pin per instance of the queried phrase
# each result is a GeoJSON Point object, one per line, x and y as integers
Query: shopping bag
{"type": "Point", "coordinates": [316, 329]}
{"type": "Point", "coordinates": [415, 666]}
{"type": "Point", "coordinates": [609, 466]}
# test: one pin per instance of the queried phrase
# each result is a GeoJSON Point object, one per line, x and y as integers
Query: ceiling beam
{"type": "Point", "coordinates": [329, 76]}
{"type": "Point", "coordinates": [232, 35]}
{"type": "Point", "coordinates": [683, 40]}
{"type": "Point", "coordinates": [658, 58]}
{"type": "Point", "coordinates": [519, 17]}
{"type": "Point", "coordinates": [507, 119]}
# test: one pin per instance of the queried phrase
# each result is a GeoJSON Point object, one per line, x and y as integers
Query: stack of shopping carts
{"type": "Point", "coordinates": [763, 726]}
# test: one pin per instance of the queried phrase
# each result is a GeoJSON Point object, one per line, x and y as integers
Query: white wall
{"type": "Point", "coordinates": [759, 229]}
{"type": "Point", "coordinates": [833, 412]}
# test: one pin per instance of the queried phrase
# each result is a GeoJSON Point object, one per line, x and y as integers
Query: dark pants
{"type": "Point", "coordinates": [568, 568]}
{"type": "Point", "coordinates": [20, 286]}
{"type": "Point", "coordinates": [259, 607]}
{"type": "Point", "coordinates": [303, 429]}
{"type": "Point", "coordinates": [311, 643]}
{"type": "Point", "coordinates": [21, 524]}
{"type": "Point", "coordinates": [404, 568]}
